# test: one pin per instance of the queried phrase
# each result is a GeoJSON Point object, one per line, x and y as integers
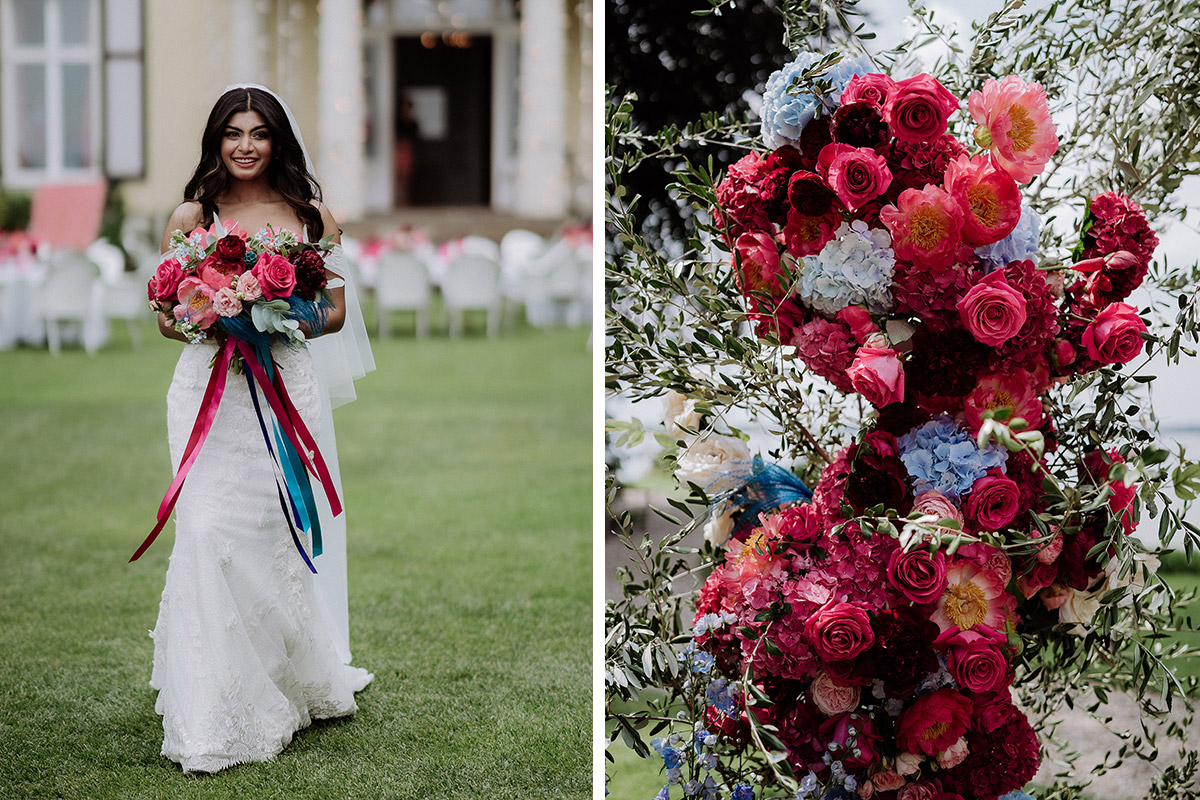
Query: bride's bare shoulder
{"type": "Point", "coordinates": [185, 217]}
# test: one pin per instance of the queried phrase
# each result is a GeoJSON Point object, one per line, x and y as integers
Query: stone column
{"type": "Point", "coordinates": [249, 43]}
{"type": "Point", "coordinates": [340, 108]}
{"type": "Point", "coordinates": [541, 184]}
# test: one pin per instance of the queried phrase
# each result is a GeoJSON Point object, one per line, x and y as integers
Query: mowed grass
{"type": "Point", "coordinates": [467, 475]}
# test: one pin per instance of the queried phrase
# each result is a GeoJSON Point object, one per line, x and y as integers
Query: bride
{"type": "Point", "coordinates": [250, 646]}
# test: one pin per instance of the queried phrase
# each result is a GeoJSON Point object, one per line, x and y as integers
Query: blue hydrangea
{"type": "Point", "coordinates": [854, 268]}
{"type": "Point", "coordinates": [1020, 245]}
{"type": "Point", "coordinates": [1017, 795]}
{"type": "Point", "coordinates": [743, 791]}
{"type": "Point", "coordinates": [942, 455]}
{"type": "Point", "coordinates": [785, 114]}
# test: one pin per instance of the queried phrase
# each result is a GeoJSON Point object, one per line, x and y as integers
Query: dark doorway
{"type": "Point", "coordinates": [443, 119]}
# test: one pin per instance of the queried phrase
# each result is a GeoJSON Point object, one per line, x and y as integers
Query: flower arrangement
{"type": "Point", "coordinates": [249, 287]}
{"type": "Point", "coordinates": [865, 643]}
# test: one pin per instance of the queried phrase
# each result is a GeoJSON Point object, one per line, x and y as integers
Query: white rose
{"type": "Point", "coordinates": [679, 412]}
{"type": "Point", "coordinates": [1079, 607]}
{"type": "Point", "coordinates": [713, 462]}
{"type": "Point", "coordinates": [908, 763]}
{"type": "Point", "coordinates": [719, 526]}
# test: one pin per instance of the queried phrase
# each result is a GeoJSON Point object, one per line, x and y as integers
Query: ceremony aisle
{"type": "Point", "coordinates": [466, 466]}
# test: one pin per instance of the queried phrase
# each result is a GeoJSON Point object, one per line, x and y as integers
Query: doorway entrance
{"type": "Point", "coordinates": [443, 119]}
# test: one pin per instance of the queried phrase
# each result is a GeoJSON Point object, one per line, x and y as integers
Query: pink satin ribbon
{"type": "Point", "coordinates": [204, 422]}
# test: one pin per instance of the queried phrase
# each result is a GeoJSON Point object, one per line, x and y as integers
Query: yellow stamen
{"type": "Point", "coordinates": [984, 206]}
{"type": "Point", "coordinates": [965, 604]}
{"type": "Point", "coordinates": [934, 731]}
{"type": "Point", "coordinates": [927, 227]}
{"type": "Point", "coordinates": [1022, 130]}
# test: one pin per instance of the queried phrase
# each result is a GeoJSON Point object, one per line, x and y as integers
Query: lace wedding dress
{"type": "Point", "coordinates": [243, 651]}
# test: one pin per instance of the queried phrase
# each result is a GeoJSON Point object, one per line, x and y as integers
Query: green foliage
{"type": "Point", "coordinates": [14, 210]}
{"type": "Point", "coordinates": [1123, 87]}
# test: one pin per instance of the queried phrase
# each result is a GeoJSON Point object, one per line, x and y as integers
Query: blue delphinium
{"type": "Point", "coordinates": [743, 791]}
{"type": "Point", "coordinates": [1017, 795]}
{"type": "Point", "coordinates": [672, 758]}
{"type": "Point", "coordinates": [722, 695]}
{"type": "Point", "coordinates": [1020, 245]}
{"type": "Point", "coordinates": [663, 793]}
{"type": "Point", "coordinates": [785, 113]}
{"type": "Point", "coordinates": [697, 660]}
{"type": "Point", "coordinates": [942, 455]}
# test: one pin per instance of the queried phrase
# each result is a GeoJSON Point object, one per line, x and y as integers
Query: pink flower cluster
{"type": "Point", "coordinates": [903, 658]}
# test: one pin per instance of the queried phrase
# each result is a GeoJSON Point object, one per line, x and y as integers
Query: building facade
{"type": "Point", "coordinates": [400, 102]}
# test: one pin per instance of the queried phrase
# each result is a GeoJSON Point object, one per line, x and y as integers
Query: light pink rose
{"type": "Point", "coordinates": [758, 260]}
{"type": "Point", "coordinates": [226, 303]}
{"type": "Point", "coordinates": [1114, 336]}
{"type": "Point", "coordinates": [908, 763]}
{"type": "Point", "coordinates": [975, 659]}
{"type": "Point", "coordinates": [247, 287]}
{"type": "Point", "coordinates": [953, 755]}
{"type": "Point", "coordinates": [916, 575]}
{"type": "Point", "coordinates": [858, 319]}
{"type": "Point", "coordinates": [839, 631]}
{"type": "Point", "coordinates": [918, 108]}
{"type": "Point", "coordinates": [993, 311]}
{"type": "Point", "coordinates": [993, 501]}
{"type": "Point", "coordinates": [936, 504]}
{"type": "Point", "coordinates": [856, 174]}
{"type": "Point", "coordinates": [831, 698]}
{"type": "Point", "coordinates": [877, 375]}
{"type": "Point", "coordinates": [195, 303]}
{"type": "Point", "coordinates": [866, 790]}
{"type": "Point", "coordinates": [873, 88]}
{"type": "Point", "coordinates": [887, 781]}
{"type": "Point", "coordinates": [164, 286]}
{"type": "Point", "coordinates": [990, 558]}
{"type": "Point", "coordinates": [1050, 552]}
{"type": "Point", "coordinates": [276, 275]}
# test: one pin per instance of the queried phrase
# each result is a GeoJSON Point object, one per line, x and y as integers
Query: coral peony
{"type": "Point", "coordinates": [1012, 391]}
{"type": "Point", "coordinates": [926, 226]}
{"type": "Point", "coordinates": [758, 268]}
{"type": "Point", "coordinates": [806, 236]}
{"type": "Point", "coordinates": [1014, 123]}
{"type": "Point", "coordinates": [989, 197]}
{"type": "Point", "coordinates": [195, 303]}
{"type": "Point", "coordinates": [973, 597]}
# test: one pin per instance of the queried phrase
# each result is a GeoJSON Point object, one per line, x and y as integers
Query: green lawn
{"type": "Point", "coordinates": [467, 471]}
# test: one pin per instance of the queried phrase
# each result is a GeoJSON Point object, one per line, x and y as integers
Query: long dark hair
{"type": "Point", "coordinates": [286, 172]}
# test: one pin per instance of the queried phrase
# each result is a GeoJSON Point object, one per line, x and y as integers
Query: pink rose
{"type": "Point", "coordinates": [857, 174]}
{"type": "Point", "coordinates": [276, 275]}
{"type": "Point", "coordinates": [953, 755]}
{"type": "Point", "coordinates": [993, 501]}
{"type": "Point", "coordinates": [831, 698]}
{"type": "Point", "coordinates": [877, 375]}
{"type": "Point", "coordinates": [839, 631]}
{"type": "Point", "coordinates": [993, 311]}
{"type": "Point", "coordinates": [164, 286]}
{"type": "Point", "coordinates": [916, 575]}
{"type": "Point", "coordinates": [1050, 551]}
{"type": "Point", "coordinates": [195, 303]}
{"type": "Point", "coordinates": [937, 504]}
{"type": "Point", "coordinates": [858, 319]}
{"type": "Point", "coordinates": [226, 303]}
{"type": "Point", "coordinates": [887, 781]}
{"type": "Point", "coordinates": [872, 88]}
{"type": "Point", "coordinates": [247, 287]}
{"type": "Point", "coordinates": [1114, 336]}
{"type": "Point", "coordinates": [758, 264]}
{"type": "Point", "coordinates": [918, 108]}
{"type": "Point", "coordinates": [975, 660]}
{"type": "Point", "coordinates": [933, 722]}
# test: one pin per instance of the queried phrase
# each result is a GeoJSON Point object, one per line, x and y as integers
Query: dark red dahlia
{"type": "Point", "coordinates": [945, 363]}
{"type": "Point", "coordinates": [741, 202]}
{"type": "Point", "coordinates": [904, 649]}
{"type": "Point", "coordinates": [774, 193]}
{"type": "Point", "coordinates": [815, 136]}
{"type": "Point", "coordinates": [878, 476]}
{"type": "Point", "coordinates": [809, 195]}
{"type": "Point", "coordinates": [915, 164]}
{"type": "Point", "coordinates": [1118, 223]}
{"type": "Point", "coordinates": [310, 273]}
{"type": "Point", "coordinates": [860, 125]}
{"type": "Point", "coordinates": [1074, 568]}
{"type": "Point", "coordinates": [786, 157]}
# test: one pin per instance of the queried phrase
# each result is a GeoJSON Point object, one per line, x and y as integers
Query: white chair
{"type": "Point", "coordinates": [472, 283]}
{"type": "Point", "coordinates": [68, 295]}
{"type": "Point", "coordinates": [402, 284]}
{"type": "Point", "coordinates": [480, 246]}
{"type": "Point", "coordinates": [580, 311]}
{"type": "Point", "coordinates": [548, 285]}
{"type": "Point", "coordinates": [518, 248]}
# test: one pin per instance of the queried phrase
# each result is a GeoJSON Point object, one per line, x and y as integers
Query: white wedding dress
{"type": "Point", "coordinates": [245, 650]}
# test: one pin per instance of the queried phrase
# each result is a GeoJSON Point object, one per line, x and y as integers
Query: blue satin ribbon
{"type": "Point", "coordinates": [296, 495]}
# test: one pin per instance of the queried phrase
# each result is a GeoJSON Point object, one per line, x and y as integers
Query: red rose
{"type": "Point", "coordinates": [877, 375]}
{"type": "Point", "coordinates": [993, 311]}
{"type": "Point", "coordinates": [873, 88]}
{"type": "Point", "coordinates": [1114, 336]}
{"type": "Point", "coordinates": [860, 124]}
{"type": "Point", "coordinates": [809, 195]}
{"type": "Point", "coordinates": [839, 631]}
{"type": "Point", "coordinates": [165, 283]}
{"type": "Point", "coordinates": [993, 501]}
{"type": "Point", "coordinates": [975, 659]}
{"type": "Point", "coordinates": [275, 275]}
{"type": "Point", "coordinates": [918, 108]}
{"type": "Point", "coordinates": [856, 174]}
{"type": "Point", "coordinates": [933, 722]}
{"type": "Point", "coordinates": [232, 249]}
{"type": "Point", "coordinates": [916, 575]}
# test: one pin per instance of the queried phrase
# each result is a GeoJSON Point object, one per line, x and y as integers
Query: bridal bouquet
{"type": "Point", "coordinates": [250, 287]}
{"type": "Point", "coordinates": [862, 639]}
